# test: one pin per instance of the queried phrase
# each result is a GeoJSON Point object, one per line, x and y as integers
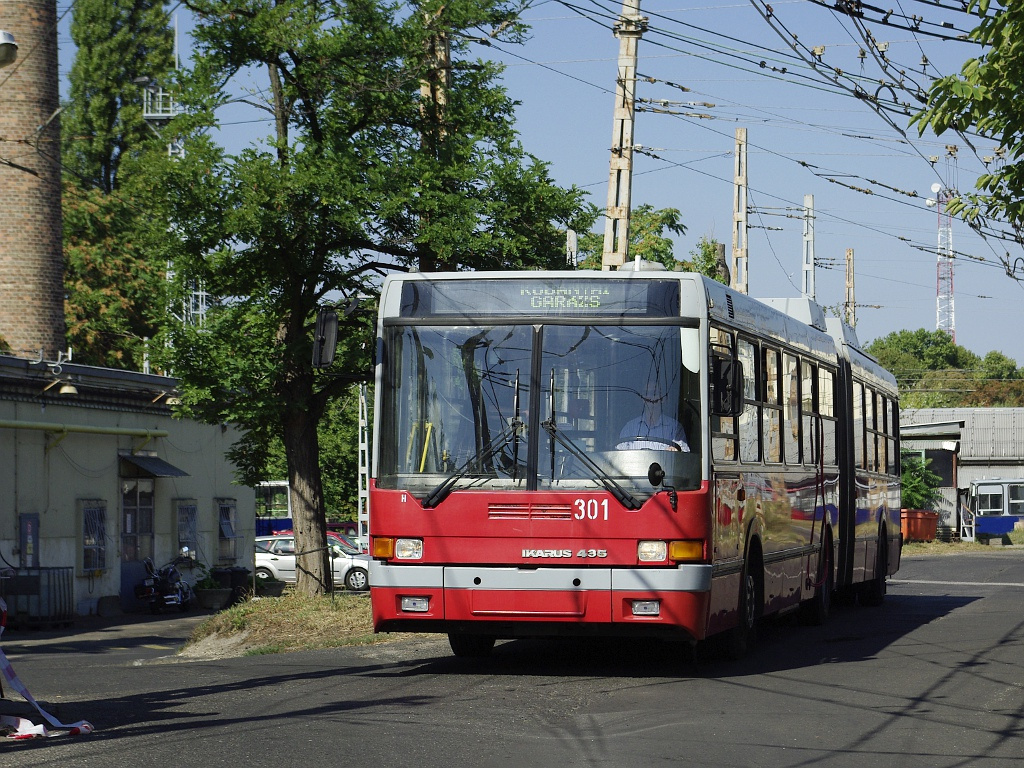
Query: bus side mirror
{"type": "Point", "coordinates": [726, 386]}
{"type": "Point", "coordinates": [325, 338]}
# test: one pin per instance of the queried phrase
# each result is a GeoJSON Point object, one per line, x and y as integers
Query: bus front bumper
{"type": "Point", "coordinates": [513, 601]}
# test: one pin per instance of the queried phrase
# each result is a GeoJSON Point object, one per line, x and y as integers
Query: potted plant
{"type": "Point", "coordinates": [269, 587]}
{"type": "Point", "coordinates": [919, 491]}
{"type": "Point", "coordinates": [209, 592]}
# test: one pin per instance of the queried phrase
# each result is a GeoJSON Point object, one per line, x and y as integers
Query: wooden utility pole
{"type": "Point", "coordinates": [739, 214]}
{"type": "Point", "coordinates": [629, 29]}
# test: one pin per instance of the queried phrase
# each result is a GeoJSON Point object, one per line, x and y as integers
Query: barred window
{"type": "Point", "coordinates": [227, 525]}
{"type": "Point", "coordinates": [92, 515]}
{"type": "Point", "coordinates": [188, 524]}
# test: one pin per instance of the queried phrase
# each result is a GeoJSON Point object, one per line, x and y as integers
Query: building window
{"type": "Point", "coordinates": [92, 526]}
{"type": "Point", "coordinates": [136, 518]}
{"type": "Point", "coordinates": [188, 525]}
{"type": "Point", "coordinates": [227, 525]}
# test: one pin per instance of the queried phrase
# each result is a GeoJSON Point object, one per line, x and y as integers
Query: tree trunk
{"type": "Point", "coordinates": [312, 562]}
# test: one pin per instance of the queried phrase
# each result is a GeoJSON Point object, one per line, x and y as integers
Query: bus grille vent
{"type": "Point", "coordinates": [496, 511]}
{"type": "Point", "coordinates": [729, 307]}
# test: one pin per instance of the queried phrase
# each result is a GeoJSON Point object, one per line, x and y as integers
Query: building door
{"type": "Point", "coordinates": [136, 535]}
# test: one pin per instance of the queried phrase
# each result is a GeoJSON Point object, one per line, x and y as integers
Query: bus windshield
{"type": "Point", "coordinates": [538, 407]}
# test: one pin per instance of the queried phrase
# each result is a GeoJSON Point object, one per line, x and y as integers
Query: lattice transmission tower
{"type": "Point", "coordinates": [945, 312]}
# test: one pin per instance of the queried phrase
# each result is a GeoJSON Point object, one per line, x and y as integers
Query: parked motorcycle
{"type": "Point", "coordinates": [164, 587]}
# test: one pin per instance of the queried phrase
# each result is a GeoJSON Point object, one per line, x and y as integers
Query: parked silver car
{"type": "Point", "coordinates": [275, 558]}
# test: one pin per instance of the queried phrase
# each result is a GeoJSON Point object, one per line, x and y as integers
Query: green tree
{"type": "Point", "coordinates": [985, 98]}
{"type": "Point", "coordinates": [996, 366]}
{"type": "Point", "coordinates": [114, 293]}
{"type": "Point", "coordinates": [1004, 394]}
{"type": "Point", "coordinates": [116, 42]}
{"type": "Point", "coordinates": [705, 259]}
{"type": "Point", "coordinates": [385, 151]}
{"type": "Point", "coordinates": [338, 433]}
{"type": "Point", "coordinates": [114, 290]}
{"type": "Point", "coordinates": [909, 355]}
{"type": "Point", "coordinates": [647, 238]}
{"type": "Point", "coordinates": [945, 388]}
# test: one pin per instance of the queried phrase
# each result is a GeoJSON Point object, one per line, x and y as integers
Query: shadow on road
{"type": "Point", "coordinates": [852, 634]}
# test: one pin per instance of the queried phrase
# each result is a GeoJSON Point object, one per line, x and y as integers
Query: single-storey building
{"type": "Point", "coordinates": [96, 474]}
{"type": "Point", "coordinates": [964, 446]}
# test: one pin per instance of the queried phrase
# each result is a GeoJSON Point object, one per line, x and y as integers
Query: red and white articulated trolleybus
{"type": "Point", "coordinates": [638, 452]}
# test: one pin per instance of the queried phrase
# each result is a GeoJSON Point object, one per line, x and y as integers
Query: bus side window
{"type": "Point", "coordinates": [791, 414]}
{"type": "Point", "coordinates": [808, 408]}
{"type": "Point", "coordinates": [870, 457]}
{"type": "Point", "coordinates": [826, 407]}
{"type": "Point", "coordinates": [890, 437]}
{"type": "Point", "coordinates": [771, 416]}
{"type": "Point", "coordinates": [858, 425]}
{"type": "Point", "coordinates": [726, 392]}
{"type": "Point", "coordinates": [1015, 498]}
{"type": "Point", "coordinates": [750, 421]}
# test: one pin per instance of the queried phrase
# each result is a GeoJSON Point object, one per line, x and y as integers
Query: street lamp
{"type": "Point", "coordinates": [8, 48]}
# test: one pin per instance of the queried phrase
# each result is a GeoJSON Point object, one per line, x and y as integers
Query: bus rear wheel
{"type": "Point", "coordinates": [873, 593]}
{"type": "Point", "coordinates": [816, 610]}
{"type": "Point", "coordinates": [471, 646]}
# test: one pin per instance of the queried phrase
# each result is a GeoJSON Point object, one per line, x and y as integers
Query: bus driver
{"type": "Point", "coordinates": [653, 429]}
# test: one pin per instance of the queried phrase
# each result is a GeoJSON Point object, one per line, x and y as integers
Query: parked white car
{"type": "Point", "coordinates": [275, 558]}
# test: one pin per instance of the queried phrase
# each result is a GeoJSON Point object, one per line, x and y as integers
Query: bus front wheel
{"type": "Point", "coordinates": [739, 640]}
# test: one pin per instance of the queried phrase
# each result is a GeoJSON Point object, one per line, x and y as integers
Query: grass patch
{"type": "Point", "coordinates": [294, 622]}
{"type": "Point", "coordinates": [914, 548]}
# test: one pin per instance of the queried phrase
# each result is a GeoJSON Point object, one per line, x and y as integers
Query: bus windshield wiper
{"type": "Point", "coordinates": [446, 486]}
{"type": "Point", "coordinates": [624, 497]}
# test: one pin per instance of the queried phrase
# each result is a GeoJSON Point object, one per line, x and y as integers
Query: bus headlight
{"type": "Point", "coordinates": [408, 549]}
{"type": "Point", "coordinates": [652, 551]}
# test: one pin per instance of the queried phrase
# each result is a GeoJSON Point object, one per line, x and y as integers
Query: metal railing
{"type": "Point", "coordinates": [966, 523]}
{"type": "Point", "coordinates": [39, 597]}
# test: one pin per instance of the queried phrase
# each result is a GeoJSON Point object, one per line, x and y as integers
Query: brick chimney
{"type": "Point", "coordinates": [31, 258]}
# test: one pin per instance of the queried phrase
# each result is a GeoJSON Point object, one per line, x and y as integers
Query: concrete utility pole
{"type": "Point", "coordinates": [739, 215]}
{"type": "Point", "coordinates": [629, 29]}
{"type": "Point", "coordinates": [808, 289]}
{"type": "Point", "coordinates": [851, 302]}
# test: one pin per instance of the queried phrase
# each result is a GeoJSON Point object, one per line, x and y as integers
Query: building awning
{"type": "Point", "coordinates": [154, 466]}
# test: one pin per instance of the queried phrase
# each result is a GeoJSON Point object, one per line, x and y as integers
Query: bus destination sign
{"type": "Point", "coordinates": [540, 297]}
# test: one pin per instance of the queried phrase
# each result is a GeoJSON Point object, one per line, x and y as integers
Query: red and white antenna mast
{"type": "Point", "coordinates": [945, 315]}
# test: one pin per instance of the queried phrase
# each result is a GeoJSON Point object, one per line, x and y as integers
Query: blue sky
{"type": "Point", "coordinates": [806, 135]}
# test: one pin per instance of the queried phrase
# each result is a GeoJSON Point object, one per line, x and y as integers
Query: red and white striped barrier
{"type": "Point", "coordinates": [20, 727]}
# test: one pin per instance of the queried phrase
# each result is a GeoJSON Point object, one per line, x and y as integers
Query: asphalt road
{"type": "Point", "coordinates": [932, 678]}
